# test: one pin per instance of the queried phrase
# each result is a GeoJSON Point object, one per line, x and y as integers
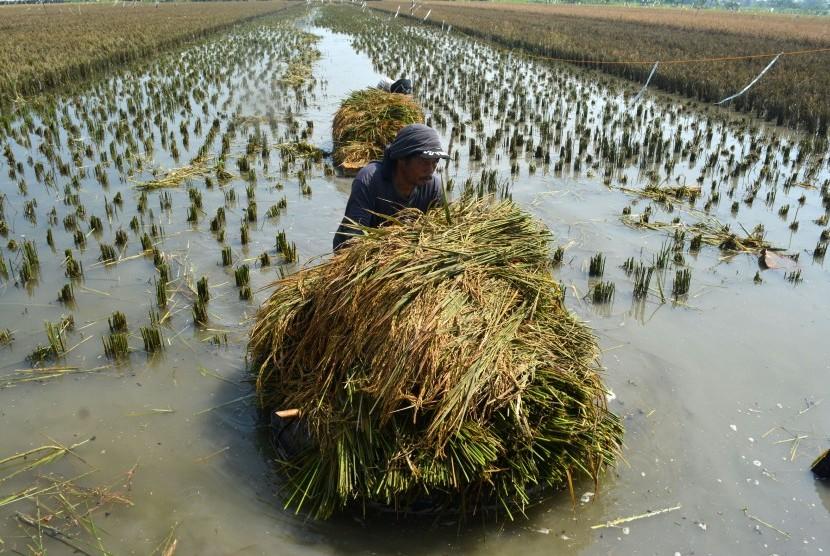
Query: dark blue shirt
{"type": "Point", "coordinates": [373, 191]}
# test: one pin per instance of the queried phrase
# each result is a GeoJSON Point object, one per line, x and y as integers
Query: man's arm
{"type": "Point", "coordinates": [357, 211]}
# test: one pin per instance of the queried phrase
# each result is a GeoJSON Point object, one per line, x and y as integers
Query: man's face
{"type": "Point", "coordinates": [418, 171]}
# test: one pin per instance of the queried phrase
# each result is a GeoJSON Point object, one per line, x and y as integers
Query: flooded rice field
{"type": "Point", "coordinates": [142, 216]}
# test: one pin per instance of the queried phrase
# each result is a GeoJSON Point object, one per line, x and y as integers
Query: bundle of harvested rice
{"type": "Point", "coordinates": [434, 361]}
{"type": "Point", "coordinates": [366, 122]}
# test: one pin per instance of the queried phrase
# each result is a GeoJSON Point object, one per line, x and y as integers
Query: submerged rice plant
{"type": "Point", "coordinates": [202, 289]}
{"type": "Point", "coordinates": [603, 292]}
{"type": "Point", "coordinates": [117, 322]}
{"type": "Point", "coordinates": [73, 269]}
{"type": "Point", "coordinates": [151, 335]}
{"type": "Point", "coordinates": [200, 315]}
{"type": "Point", "coordinates": [66, 295]}
{"type": "Point", "coordinates": [288, 250]}
{"type": "Point", "coordinates": [642, 280]}
{"type": "Point", "coordinates": [108, 253]}
{"type": "Point", "coordinates": [596, 266]}
{"type": "Point", "coordinates": [6, 337]}
{"type": "Point", "coordinates": [682, 282]}
{"type": "Point", "coordinates": [116, 345]}
{"type": "Point", "coordinates": [242, 276]}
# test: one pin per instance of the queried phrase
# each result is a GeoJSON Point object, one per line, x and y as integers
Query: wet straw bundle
{"type": "Point", "coordinates": [366, 122]}
{"type": "Point", "coordinates": [434, 364]}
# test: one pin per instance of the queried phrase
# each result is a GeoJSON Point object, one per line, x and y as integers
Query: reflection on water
{"type": "Point", "coordinates": [720, 392]}
{"type": "Point", "coordinates": [823, 489]}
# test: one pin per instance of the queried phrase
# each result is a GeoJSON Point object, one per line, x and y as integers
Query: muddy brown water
{"type": "Point", "coordinates": [723, 396]}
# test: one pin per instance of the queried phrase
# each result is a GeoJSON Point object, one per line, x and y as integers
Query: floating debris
{"type": "Point", "coordinates": [200, 167]}
{"type": "Point", "coordinates": [710, 232]}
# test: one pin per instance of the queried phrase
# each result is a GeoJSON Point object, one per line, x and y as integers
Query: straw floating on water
{"type": "Point", "coordinates": [174, 177]}
{"type": "Point", "coordinates": [434, 362]}
{"type": "Point", "coordinates": [710, 232]}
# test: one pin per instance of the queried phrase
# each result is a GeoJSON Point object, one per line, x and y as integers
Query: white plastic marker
{"type": "Point", "coordinates": [397, 12]}
{"type": "Point", "coordinates": [753, 82]}
{"type": "Point", "coordinates": [639, 95]}
{"type": "Point", "coordinates": [429, 12]}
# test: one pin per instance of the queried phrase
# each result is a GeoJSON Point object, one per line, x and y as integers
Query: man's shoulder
{"type": "Point", "coordinates": [368, 172]}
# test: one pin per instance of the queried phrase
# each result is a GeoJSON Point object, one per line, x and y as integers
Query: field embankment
{"type": "Point", "coordinates": [48, 46]}
{"type": "Point", "coordinates": [627, 42]}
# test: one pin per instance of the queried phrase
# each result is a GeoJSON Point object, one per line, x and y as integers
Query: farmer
{"type": "Point", "coordinates": [402, 86]}
{"type": "Point", "coordinates": [405, 178]}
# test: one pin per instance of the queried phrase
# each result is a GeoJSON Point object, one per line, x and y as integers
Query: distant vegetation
{"type": "Point", "coordinates": [794, 92]}
{"type": "Point", "coordinates": [806, 6]}
{"type": "Point", "coordinates": [48, 46]}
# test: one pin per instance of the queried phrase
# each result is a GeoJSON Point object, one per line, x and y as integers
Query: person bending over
{"type": "Point", "coordinates": [405, 178]}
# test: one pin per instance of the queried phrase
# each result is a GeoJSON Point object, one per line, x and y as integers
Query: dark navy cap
{"type": "Point", "coordinates": [403, 86]}
{"type": "Point", "coordinates": [417, 139]}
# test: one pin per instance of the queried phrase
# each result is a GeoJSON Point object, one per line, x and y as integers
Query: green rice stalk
{"type": "Point", "coordinates": [152, 339]}
{"type": "Point", "coordinates": [202, 289]}
{"type": "Point", "coordinates": [117, 322]}
{"type": "Point", "coordinates": [603, 292]}
{"type": "Point", "coordinates": [116, 346]}
{"type": "Point", "coordinates": [642, 281]}
{"type": "Point", "coordinates": [682, 282]}
{"type": "Point", "coordinates": [200, 315]}
{"type": "Point", "coordinates": [6, 336]}
{"type": "Point", "coordinates": [66, 295]}
{"type": "Point", "coordinates": [596, 266]}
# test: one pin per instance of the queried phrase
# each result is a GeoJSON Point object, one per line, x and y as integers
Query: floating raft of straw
{"type": "Point", "coordinates": [433, 362]}
{"type": "Point", "coordinates": [366, 122]}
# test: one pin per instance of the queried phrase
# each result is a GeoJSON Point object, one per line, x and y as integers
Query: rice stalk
{"type": "Point", "coordinates": [151, 335]}
{"type": "Point", "coordinates": [603, 292]}
{"type": "Point", "coordinates": [23, 462]}
{"type": "Point", "coordinates": [596, 266]}
{"type": "Point", "coordinates": [116, 346]}
{"type": "Point", "coordinates": [367, 121]}
{"type": "Point", "coordinates": [433, 362]}
{"type": "Point", "coordinates": [682, 282]}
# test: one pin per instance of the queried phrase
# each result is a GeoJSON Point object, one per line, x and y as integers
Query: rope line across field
{"type": "Point", "coordinates": [681, 61]}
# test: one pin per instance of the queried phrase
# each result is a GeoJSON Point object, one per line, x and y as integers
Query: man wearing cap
{"type": "Point", "coordinates": [405, 178]}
